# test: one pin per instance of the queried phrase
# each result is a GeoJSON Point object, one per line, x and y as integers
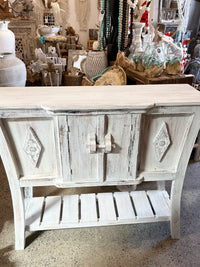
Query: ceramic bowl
{"type": "Point", "coordinates": [48, 30]}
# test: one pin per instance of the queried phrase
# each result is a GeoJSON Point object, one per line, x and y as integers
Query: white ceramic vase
{"type": "Point", "coordinates": [136, 46]}
{"type": "Point", "coordinates": [7, 38]}
{"type": "Point", "coordinates": [12, 71]}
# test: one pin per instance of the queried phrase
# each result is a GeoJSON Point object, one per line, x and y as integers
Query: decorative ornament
{"type": "Point", "coordinates": [32, 146]}
{"type": "Point", "coordinates": [161, 142]}
{"type": "Point", "coordinates": [145, 15]}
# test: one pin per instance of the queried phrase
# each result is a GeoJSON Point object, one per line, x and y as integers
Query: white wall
{"type": "Point", "coordinates": [92, 20]}
{"type": "Point", "coordinates": [69, 16]}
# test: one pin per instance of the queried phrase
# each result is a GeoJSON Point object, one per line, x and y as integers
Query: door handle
{"type": "Point", "coordinates": [93, 146]}
{"type": "Point", "coordinates": [108, 143]}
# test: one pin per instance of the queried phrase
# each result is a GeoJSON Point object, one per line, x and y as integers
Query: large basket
{"type": "Point", "coordinates": [114, 76]}
{"type": "Point", "coordinates": [69, 80]}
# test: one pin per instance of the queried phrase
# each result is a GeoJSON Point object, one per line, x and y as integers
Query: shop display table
{"type": "Point", "coordinates": [141, 78]}
{"type": "Point", "coordinates": [96, 136]}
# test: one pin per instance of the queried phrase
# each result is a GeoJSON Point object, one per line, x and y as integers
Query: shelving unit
{"type": "Point", "coordinates": [71, 211]}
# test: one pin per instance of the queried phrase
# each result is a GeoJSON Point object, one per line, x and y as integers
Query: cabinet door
{"type": "Point", "coordinates": [121, 163]}
{"type": "Point", "coordinates": [83, 164]}
{"type": "Point", "coordinates": [34, 146]}
{"type": "Point", "coordinates": [101, 148]}
{"type": "Point", "coordinates": [163, 140]}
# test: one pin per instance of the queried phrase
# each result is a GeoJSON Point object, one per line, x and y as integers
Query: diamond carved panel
{"type": "Point", "coordinates": [33, 146]}
{"type": "Point", "coordinates": [161, 142]}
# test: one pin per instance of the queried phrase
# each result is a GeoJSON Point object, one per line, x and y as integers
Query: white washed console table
{"type": "Point", "coordinates": [96, 136]}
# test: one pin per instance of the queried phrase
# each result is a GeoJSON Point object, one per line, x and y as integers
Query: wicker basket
{"type": "Point", "coordinates": [69, 80]}
{"type": "Point", "coordinates": [114, 76]}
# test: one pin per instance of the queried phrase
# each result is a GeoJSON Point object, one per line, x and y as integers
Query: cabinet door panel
{"type": "Point", "coordinates": [34, 146]}
{"type": "Point", "coordinates": [122, 161]}
{"type": "Point", "coordinates": [83, 164]}
{"type": "Point", "coordinates": [163, 139]}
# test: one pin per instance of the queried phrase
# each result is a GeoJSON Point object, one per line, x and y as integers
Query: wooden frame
{"type": "Point", "coordinates": [72, 54]}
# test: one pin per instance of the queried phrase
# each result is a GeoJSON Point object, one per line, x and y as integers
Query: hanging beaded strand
{"type": "Point", "coordinates": [127, 26]}
{"type": "Point", "coordinates": [131, 28]}
{"type": "Point", "coordinates": [120, 23]}
{"type": "Point", "coordinates": [124, 24]}
{"type": "Point", "coordinates": [102, 25]}
{"type": "Point", "coordinates": [126, 6]}
{"type": "Point", "coordinates": [113, 29]}
{"type": "Point", "coordinates": [108, 22]}
{"type": "Point", "coordinates": [105, 23]}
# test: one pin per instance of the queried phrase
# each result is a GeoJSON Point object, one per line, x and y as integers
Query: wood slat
{"type": "Point", "coordinates": [52, 210]}
{"type": "Point", "coordinates": [70, 209]}
{"type": "Point", "coordinates": [88, 208]}
{"type": "Point", "coordinates": [160, 202]}
{"type": "Point", "coordinates": [33, 210]}
{"type": "Point", "coordinates": [142, 205]}
{"type": "Point", "coordinates": [124, 206]}
{"type": "Point", "coordinates": [106, 207]}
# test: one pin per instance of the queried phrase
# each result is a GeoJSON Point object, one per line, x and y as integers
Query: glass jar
{"type": "Point", "coordinates": [173, 52]}
{"type": "Point", "coordinates": [153, 55]}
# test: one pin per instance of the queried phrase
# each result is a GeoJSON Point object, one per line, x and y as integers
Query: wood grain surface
{"type": "Point", "coordinates": [89, 97]}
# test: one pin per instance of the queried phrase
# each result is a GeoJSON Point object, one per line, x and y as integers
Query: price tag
{"type": "Point", "coordinates": [160, 54]}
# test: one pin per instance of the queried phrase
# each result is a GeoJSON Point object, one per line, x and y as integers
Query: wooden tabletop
{"type": "Point", "coordinates": [90, 97]}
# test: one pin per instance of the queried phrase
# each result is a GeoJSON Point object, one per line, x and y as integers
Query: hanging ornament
{"type": "Point", "coordinates": [145, 15]}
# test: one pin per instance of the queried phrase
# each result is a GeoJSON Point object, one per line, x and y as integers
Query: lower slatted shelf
{"type": "Point", "coordinates": [86, 210]}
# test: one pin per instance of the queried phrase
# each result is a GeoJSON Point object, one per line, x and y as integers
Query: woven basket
{"type": "Point", "coordinates": [114, 76]}
{"type": "Point", "coordinates": [69, 80]}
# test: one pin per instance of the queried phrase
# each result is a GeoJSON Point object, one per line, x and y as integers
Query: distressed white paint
{"type": "Point", "coordinates": [51, 210]}
{"type": "Point", "coordinates": [106, 207]}
{"type": "Point", "coordinates": [70, 209]}
{"type": "Point", "coordinates": [142, 205]}
{"type": "Point", "coordinates": [124, 206]}
{"type": "Point", "coordinates": [92, 206]}
{"type": "Point", "coordinates": [88, 208]}
{"type": "Point", "coordinates": [125, 124]}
